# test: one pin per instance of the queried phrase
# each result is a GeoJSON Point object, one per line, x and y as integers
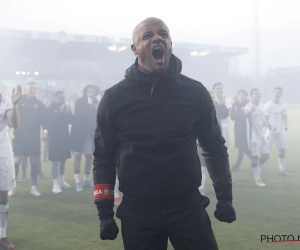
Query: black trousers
{"type": "Point", "coordinates": [148, 224]}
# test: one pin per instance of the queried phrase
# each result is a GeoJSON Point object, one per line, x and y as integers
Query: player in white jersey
{"type": "Point", "coordinates": [221, 100]}
{"type": "Point", "coordinates": [257, 141]}
{"type": "Point", "coordinates": [8, 114]}
{"type": "Point", "coordinates": [276, 114]}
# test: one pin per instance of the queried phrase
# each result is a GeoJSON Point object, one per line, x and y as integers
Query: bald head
{"type": "Point", "coordinates": [147, 21]}
{"type": "Point", "coordinates": [152, 45]}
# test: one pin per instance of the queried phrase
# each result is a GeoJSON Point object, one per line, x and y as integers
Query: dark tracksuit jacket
{"type": "Point", "coordinates": [151, 123]}
{"type": "Point", "coordinates": [27, 135]}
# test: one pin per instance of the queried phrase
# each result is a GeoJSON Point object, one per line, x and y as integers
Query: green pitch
{"type": "Point", "coordinates": [68, 221]}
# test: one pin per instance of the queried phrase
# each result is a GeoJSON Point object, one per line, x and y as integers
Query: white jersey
{"type": "Point", "coordinates": [5, 144]}
{"type": "Point", "coordinates": [224, 123]}
{"type": "Point", "coordinates": [255, 121]}
{"type": "Point", "coordinates": [276, 112]}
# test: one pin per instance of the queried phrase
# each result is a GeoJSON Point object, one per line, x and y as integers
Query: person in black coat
{"type": "Point", "coordinates": [240, 127]}
{"type": "Point", "coordinates": [150, 122]}
{"type": "Point", "coordinates": [83, 131]}
{"type": "Point", "coordinates": [58, 118]}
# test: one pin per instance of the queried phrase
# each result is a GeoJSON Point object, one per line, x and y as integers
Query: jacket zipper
{"type": "Point", "coordinates": [152, 89]}
{"type": "Point", "coordinates": [163, 188]}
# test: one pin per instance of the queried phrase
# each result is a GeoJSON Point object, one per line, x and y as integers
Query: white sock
{"type": "Point", "coordinates": [77, 178]}
{"type": "Point", "coordinates": [3, 219]}
{"type": "Point", "coordinates": [60, 178]}
{"type": "Point", "coordinates": [203, 171]}
{"type": "Point", "coordinates": [116, 191]}
{"type": "Point", "coordinates": [33, 187]}
{"type": "Point", "coordinates": [86, 177]}
{"type": "Point", "coordinates": [255, 171]}
{"type": "Point", "coordinates": [260, 164]}
{"type": "Point", "coordinates": [55, 182]}
{"type": "Point", "coordinates": [281, 161]}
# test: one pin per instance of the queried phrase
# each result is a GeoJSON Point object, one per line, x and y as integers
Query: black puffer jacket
{"type": "Point", "coordinates": [153, 122]}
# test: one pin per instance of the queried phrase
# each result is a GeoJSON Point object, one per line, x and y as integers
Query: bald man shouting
{"type": "Point", "coordinates": [147, 127]}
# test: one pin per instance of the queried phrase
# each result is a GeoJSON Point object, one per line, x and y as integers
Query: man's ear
{"type": "Point", "coordinates": [134, 50]}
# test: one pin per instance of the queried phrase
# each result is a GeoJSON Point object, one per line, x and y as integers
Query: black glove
{"type": "Point", "coordinates": [225, 211]}
{"type": "Point", "coordinates": [108, 229]}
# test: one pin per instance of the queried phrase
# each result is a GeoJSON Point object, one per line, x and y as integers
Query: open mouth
{"type": "Point", "coordinates": [158, 52]}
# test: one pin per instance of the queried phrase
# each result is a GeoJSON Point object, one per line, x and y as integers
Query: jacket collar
{"type": "Point", "coordinates": [133, 73]}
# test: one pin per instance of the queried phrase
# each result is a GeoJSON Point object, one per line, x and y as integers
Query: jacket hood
{"type": "Point", "coordinates": [133, 73]}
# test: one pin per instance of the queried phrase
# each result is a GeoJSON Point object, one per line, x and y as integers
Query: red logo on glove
{"type": "Point", "coordinates": [105, 191]}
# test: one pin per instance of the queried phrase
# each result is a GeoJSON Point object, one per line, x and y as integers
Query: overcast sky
{"type": "Point", "coordinates": [219, 22]}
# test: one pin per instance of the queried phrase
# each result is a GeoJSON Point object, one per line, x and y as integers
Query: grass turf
{"type": "Point", "coordinates": [69, 220]}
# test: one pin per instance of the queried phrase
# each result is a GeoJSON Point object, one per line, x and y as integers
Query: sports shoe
{"type": "Point", "coordinates": [4, 242]}
{"type": "Point", "coordinates": [56, 187]}
{"type": "Point", "coordinates": [201, 190]}
{"type": "Point", "coordinates": [34, 192]}
{"type": "Point", "coordinates": [11, 192]}
{"type": "Point", "coordinates": [64, 185]}
{"type": "Point", "coordinates": [285, 173]}
{"type": "Point", "coordinates": [79, 187]}
{"type": "Point", "coordinates": [117, 201]}
{"type": "Point", "coordinates": [259, 182]}
{"type": "Point", "coordinates": [88, 184]}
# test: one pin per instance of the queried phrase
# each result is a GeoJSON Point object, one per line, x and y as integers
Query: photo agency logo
{"type": "Point", "coordinates": [283, 238]}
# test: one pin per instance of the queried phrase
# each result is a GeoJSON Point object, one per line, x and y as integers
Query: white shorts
{"type": "Point", "coordinates": [278, 137]}
{"type": "Point", "coordinates": [258, 146]}
{"type": "Point", "coordinates": [7, 173]}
